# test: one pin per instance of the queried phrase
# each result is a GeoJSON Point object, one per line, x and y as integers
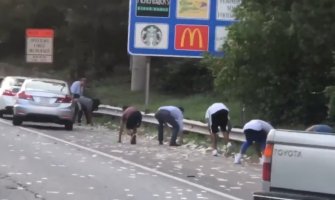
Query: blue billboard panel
{"type": "Point", "coordinates": [179, 28]}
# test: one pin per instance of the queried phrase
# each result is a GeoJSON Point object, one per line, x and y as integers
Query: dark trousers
{"type": "Point", "coordinates": [254, 136]}
{"type": "Point", "coordinates": [76, 110]}
{"type": "Point", "coordinates": [164, 116]}
{"type": "Point", "coordinates": [78, 113]}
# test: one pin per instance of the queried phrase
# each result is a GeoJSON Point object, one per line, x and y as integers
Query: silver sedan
{"type": "Point", "coordinates": [44, 100]}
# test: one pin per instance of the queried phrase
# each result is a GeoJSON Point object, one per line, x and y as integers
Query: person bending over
{"type": "Point", "coordinates": [173, 116]}
{"type": "Point", "coordinates": [217, 116]}
{"type": "Point", "coordinates": [132, 119]}
{"type": "Point", "coordinates": [255, 131]}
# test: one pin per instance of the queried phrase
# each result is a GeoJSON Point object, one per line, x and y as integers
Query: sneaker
{"type": "Point", "coordinates": [237, 159]}
{"type": "Point", "coordinates": [174, 145]}
{"type": "Point", "coordinates": [160, 142]}
{"type": "Point", "coordinates": [215, 152]}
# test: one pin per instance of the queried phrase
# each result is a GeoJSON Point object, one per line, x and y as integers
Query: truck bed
{"type": "Point", "coordinates": [302, 163]}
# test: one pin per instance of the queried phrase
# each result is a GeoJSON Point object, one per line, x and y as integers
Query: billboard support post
{"type": "Point", "coordinates": [147, 82]}
{"type": "Point", "coordinates": [138, 72]}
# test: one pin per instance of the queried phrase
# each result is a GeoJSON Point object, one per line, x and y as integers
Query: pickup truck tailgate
{"type": "Point", "coordinates": [303, 162]}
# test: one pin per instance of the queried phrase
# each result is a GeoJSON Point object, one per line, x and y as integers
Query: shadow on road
{"type": "Point", "coordinates": [44, 127]}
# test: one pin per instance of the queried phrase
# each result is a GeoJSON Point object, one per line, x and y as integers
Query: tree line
{"type": "Point", "coordinates": [279, 59]}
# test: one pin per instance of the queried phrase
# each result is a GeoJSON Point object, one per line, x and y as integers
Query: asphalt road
{"type": "Point", "coordinates": [47, 162]}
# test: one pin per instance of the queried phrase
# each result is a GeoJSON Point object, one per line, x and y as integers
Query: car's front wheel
{"type": "Point", "coordinates": [17, 121]}
{"type": "Point", "coordinates": [69, 126]}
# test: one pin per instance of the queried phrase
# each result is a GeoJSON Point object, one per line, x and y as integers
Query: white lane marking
{"type": "Point", "coordinates": [131, 163]}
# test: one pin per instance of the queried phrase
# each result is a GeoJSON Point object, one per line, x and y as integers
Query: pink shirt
{"type": "Point", "coordinates": [130, 110]}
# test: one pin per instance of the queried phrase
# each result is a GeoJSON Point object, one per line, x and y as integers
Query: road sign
{"type": "Point", "coordinates": [39, 45]}
{"type": "Point", "coordinates": [179, 28]}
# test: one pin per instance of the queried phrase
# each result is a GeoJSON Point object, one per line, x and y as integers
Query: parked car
{"type": "Point", "coordinates": [10, 85]}
{"type": "Point", "coordinates": [44, 100]}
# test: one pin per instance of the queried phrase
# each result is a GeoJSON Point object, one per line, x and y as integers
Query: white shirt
{"type": "Point", "coordinates": [213, 109]}
{"type": "Point", "coordinates": [258, 125]}
{"type": "Point", "coordinates": [176, 114]}
{"type": "Point", "coordinates": [76, 88]}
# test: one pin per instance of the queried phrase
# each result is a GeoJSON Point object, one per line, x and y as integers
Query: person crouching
{"type": "Point", "coordinates": [132, 119]}
{"type": "Point", "coordinates": [87, 105]}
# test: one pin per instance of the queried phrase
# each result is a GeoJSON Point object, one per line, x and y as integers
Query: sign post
{"type": "Point", "coordinates": [39, 45]}
{"type": "Point", "coordinates": [147, 82]}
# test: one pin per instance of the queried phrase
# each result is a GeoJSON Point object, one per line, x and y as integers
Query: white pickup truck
{"type": "Point", "coordinates": [298, 165]}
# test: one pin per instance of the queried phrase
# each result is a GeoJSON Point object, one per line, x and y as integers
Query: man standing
{"type": "Point", "coordinates": [77, 90]}
{"type": "Point", "coordinates": [217, 116]}
{"type": "Point", "coordinates": [173, 116]}
{"type": "Point", "coordinates": [132, 118]}
{"type": "Point", "coordinates": [255, 131]}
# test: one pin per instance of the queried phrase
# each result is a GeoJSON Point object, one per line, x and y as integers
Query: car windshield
{"type": "Point", "coordinates": [49, 86]}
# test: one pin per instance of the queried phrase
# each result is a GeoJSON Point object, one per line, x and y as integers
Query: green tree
{"type": "Point", "coordinates": [278, 57]}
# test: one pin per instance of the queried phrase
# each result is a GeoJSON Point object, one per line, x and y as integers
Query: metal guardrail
{"type": "Point", "coordinates": [236, 134]}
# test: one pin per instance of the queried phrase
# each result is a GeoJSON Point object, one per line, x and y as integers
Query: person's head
{"type": "Point", "coordinates": [181, 109]}
{"type": "Point", "coordinates": [124, 107]}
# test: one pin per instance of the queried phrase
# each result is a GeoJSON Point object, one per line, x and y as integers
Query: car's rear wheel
{"type": "Point", "coordinates": [17, 121]}
{"type": "Point", "coordinates": [69, 126]}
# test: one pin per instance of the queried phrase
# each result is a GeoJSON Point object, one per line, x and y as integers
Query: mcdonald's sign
{"type": "Point", "coordinates": [191, 37]}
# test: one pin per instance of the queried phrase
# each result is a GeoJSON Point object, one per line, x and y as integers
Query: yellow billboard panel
{"type": "Point", "coordinates": [193, 9]}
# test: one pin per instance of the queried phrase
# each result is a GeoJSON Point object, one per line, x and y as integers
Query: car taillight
{"type": "Point", "coordinates": [23, 95]}
{"type": "Point", "coordinates": [66, 99]}
{"type": "Point", "coordinates": [267, 162]}
{"type": "Point", "coordinates": [8, 93]}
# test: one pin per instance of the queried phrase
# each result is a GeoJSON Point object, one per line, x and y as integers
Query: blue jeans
{"type": "Point", "coordinates": [253, 136]}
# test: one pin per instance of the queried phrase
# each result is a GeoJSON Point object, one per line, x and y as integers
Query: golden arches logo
{"type": "Point", "coordinates": [191, 34]}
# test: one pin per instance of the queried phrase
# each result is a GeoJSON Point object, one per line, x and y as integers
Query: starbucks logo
{"type": "Point", "coordinates": [151, 35]}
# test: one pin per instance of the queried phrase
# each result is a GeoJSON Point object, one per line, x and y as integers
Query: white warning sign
{"type": "Point", "coordinates": [225, 9]}
{"type": "Point", "coordinates": [39, 45]}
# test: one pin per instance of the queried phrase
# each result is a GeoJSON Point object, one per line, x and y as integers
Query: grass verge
{"type": "Point", "coordinates": [116, 91]}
